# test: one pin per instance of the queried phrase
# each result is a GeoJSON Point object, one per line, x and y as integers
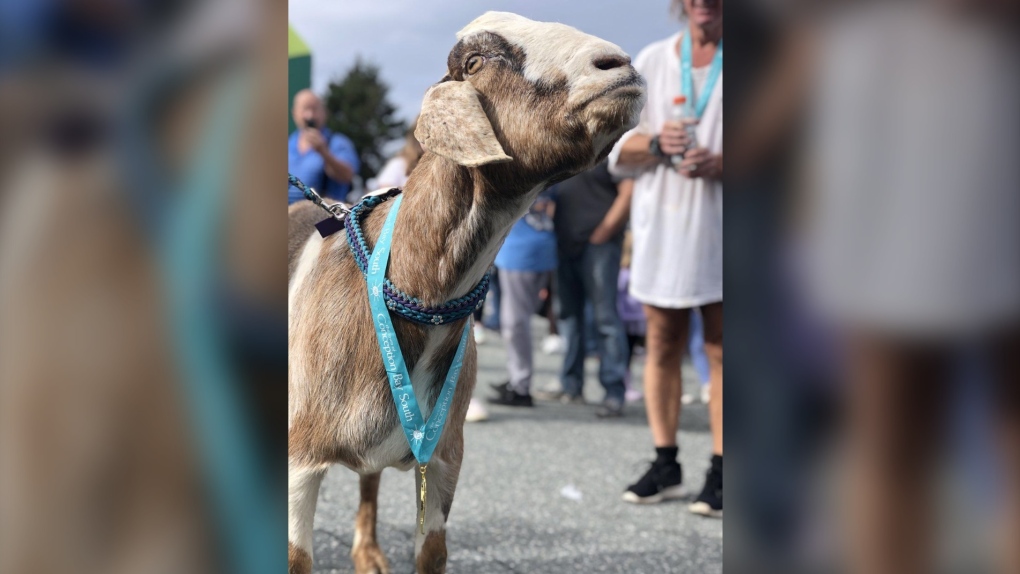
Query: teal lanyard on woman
{"type": "Point", "coordinates": [687, 83]}
{"type": "Point", "coordinates": [422, 435]}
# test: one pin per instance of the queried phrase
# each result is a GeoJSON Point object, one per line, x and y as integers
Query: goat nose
{"type": "Point", "coordinates": [611, 61]}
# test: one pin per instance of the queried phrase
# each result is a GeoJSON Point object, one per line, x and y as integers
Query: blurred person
{"type": "Point", "coordinates": [400, 166]}
{"type": "Point", "coordinates": [77, 427]}
{"type": "Point", "coordinates": [478, 330]}
{"type": "Point", "coordinates": [476, 411]}
{"type": "Point", "coordinates": [105, 463]}
{"type": "Point", "coordinates": [490, 312]}
{"type": "Point", "coordinates": [323, 160]}
{"type": "Point", "coordinates": [913, 261]}
{"type": "Point", "coordinates": [527, 256]}
{"type": "Point", "coordinates": [591, 214]}
{"type": "Point", "coordinates": [696, 351]}
{"type": "Point", "coordinates": [553, 343]}
{"type": "Point", "coordinates": [677, 226]}
{"type": "Point", "coordinates": [920, 257]}
{"type": "Point", "coordinates": [487, 318]}
{"type": "Point", "coordinates": [633, 317]}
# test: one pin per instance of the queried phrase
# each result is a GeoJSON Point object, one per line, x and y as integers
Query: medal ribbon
{"type": "Point", "coordinates": [422, 435]}
{"type": "Point", "coordinates": [687, 83]}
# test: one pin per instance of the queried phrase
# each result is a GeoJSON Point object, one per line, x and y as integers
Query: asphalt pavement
{"type": "Point", "coordinates": [539, 491]}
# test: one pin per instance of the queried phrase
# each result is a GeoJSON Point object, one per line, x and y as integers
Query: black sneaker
{"type": "Point", "coordinates": [709, 502]}
{"type": "Point", "coordinates": [610, 409]}
{"type": "Point", "coordinates": [512, 399]}
{"type": "Point", "coordinates": [663, 481]}
{"type": "Point", "coordinates": [500, 387]}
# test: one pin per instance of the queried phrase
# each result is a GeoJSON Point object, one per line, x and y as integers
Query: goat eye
{"type": "Point", "coordinates": [474, 64]}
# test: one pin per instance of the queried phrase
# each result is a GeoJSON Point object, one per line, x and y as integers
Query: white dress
{"type": "Point", "coordinates": [676, 222]}
{"type": "Point", "coordinates": [914, 221]}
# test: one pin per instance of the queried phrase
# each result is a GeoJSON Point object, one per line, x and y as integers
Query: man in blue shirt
{"type": "Point", "coordinates": [323, 160]}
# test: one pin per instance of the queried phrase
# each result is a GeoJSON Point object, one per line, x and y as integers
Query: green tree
{"type": "Point", "coordinates": [358, 108]}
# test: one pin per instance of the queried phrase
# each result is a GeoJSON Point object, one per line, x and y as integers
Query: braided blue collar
{"type": "Point", "coordinates": [397, 301]}
{"type": "Point", "coordinates": [406, 306]}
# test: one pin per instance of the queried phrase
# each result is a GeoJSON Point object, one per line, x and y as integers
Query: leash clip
{"type": "Point", "coordinates": [337, 210]}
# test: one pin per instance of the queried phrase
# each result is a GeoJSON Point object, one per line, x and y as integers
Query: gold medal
{"type": "Point", "coordinates": [422, 496]}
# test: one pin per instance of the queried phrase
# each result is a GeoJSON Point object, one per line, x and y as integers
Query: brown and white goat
{"type": "Point", "coordinates": [524, 104]}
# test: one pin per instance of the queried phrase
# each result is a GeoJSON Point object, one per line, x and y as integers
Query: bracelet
{"type": "Point", "coordinates": [654, 148]}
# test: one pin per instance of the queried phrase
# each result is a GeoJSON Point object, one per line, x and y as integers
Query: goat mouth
{"type": "Point", "coordinates": [630, 91]}
{"type": "Point", "coordinates": [630, 86]}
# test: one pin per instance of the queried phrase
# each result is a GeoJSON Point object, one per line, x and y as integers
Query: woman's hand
{"type": "Point", "coordinates": [700, 162]}
{"type": "Point", "coordinates": [674, 140]}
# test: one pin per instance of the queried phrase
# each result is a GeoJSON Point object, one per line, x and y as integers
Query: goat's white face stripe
{"type": "Point", "coordinates": [552, 50]}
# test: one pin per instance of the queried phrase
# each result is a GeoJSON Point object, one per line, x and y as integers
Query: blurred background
{"type": "Point", "coordinates": [871, 268]}
{"type": "Point", "coordinates": [873, 276]}
{"type": "Point", "coordinates": [142, 286]}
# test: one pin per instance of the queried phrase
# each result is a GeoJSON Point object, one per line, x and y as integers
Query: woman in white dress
{"type": "Point", "coordinates": [915, 262]}
{"type": "Point", "coordinates": [677, 228]}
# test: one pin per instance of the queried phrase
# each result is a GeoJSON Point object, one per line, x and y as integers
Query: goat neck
{"type": "Point", "coordinates": [451, 225]}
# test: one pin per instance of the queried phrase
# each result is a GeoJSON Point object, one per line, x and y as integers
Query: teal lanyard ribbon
{"type": "Point", "coordinates": [192, 214]}
{"type": "Point", "coordinates": [687, 84]}
{"type": "Point", "coordinates": [422, 435]}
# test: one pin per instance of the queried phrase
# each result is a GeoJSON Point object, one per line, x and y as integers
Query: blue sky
{"type": "Point", "coordinates": [409, 41]}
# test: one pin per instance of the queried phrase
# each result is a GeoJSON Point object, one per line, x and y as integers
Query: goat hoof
{"type": "Point", "coordinates": [432, 559]}
{"type": "Point", "coordinates": [370, 560]}
{"type": "Point", "coordinates": [298, 561]}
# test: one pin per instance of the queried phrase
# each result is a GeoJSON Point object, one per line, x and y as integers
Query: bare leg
{"type": "Point", "coordinates": [365, 552]}
{"type": "Point", "coordinates": [666, 339]}
{"type": "Point", "coordinates": [713, 322]}
{"type": "Point", "coordinates": [897, 407]}
{"type": "Point", "coordinates": [303, 492]}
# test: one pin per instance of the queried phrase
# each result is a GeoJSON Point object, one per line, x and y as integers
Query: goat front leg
{"type": "Point", "coordinates": [368, 557]}
{"type": "Point", "coordinates": [441, 482]}
{"type": "Point", "coordinates": [303, 492]}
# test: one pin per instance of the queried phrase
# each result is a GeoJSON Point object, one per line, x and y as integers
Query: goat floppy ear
{"type": "Point", "coordinates": [454, 125]}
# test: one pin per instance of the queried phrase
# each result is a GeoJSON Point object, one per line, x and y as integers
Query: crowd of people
{"type": "Point", "coordinates": [627, 255]}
